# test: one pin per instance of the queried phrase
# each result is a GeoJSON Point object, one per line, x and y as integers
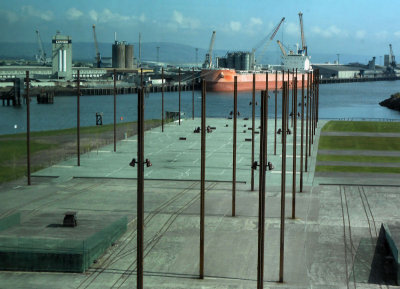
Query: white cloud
{"type": "Point", "coordinates": [382, 35]}
{"type": "Point", "coordinates": [292, 28]}
{"type": "Point", "coordinates": [183, 22]}
{"type": "Point", "coordinates": [329, 32]}
{"type": "Point", "coordinates": [107, 15]}
{"type": "Point", "coordinates": [73, 13]}
{"type": "Point", "coordinates": [93, 15]}
{"type": "Point", "coordinates": [177, 17]}
{"type": "Point", "coordinates": [142, 18]}
{"type": "Point", "coordinates": [397, 33]}
{"type": "Point", "coordinates": [10, 16]}
{"type": "Point", "coordinates": [235, 26]}
{"type": "Point", "coordinates": [255, 21]}
{"type": "Point", "coordinates": [33, 12]}
{"type": "Point", "coordinates": [360, 34]}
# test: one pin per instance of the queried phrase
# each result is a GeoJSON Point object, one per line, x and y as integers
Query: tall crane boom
{"type": "Point", "coordinates": [266, 41]}
{"type": "Point", "coordinates": [282, 49]}
{"type": "Point", "coordinates": [98, 57]}
{"type": "Point", "coordinates": [303, 40]}
{"type": "Point", "coordinates": [41, 57]}
{"type": "Point", "coordinates": [208, 60]}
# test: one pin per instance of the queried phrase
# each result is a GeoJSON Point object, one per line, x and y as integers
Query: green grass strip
{"type": "Point", "coordinates": [351, 169]}
{"type": "Point", "coordinates": [361, 126]}
{"type": "Point", "coordinates": [16, 149]}
{"type": "Point", "coordinates": [359, 143]}
{"type": "Point", "coordinates": [83, 130]}
{"type": "Point", "coordinates": [9, 173]}
{"type": "Point", "coordinates": [357, 158]}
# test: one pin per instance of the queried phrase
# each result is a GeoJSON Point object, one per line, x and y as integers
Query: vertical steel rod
{"type": "Point", "coordinates": [253, 124]}
{"type": "Point", "coordinates": [311, 115]}
{"type": "Point", "coordinates": [115, 110]}
{"type": "Point", "coordinates": [261, 190]}
{"type": "Point", "coordinates": [162, 99]}
{"type": "Point", "coordinates": [179, 96]}
{"type": "Point", "coordinates": [283, 181]}
{"type": "Point", "coordinates": [294, 102]}
{"type": "Point", "coordinates": [192, 92]}
{"type": "Point", "coordinates": [202, 175]}
{"type": "Point", "coordinates": [265, 153]}
{"type": "Point", "coordinates": [307, 104]}
{"type": "Point", "coordinates": [276, 109]}
{"type": "Point", "coordinates": [260, 204]}
{"type": "Point", "coordinates": [140, 188]}
{"type": "Point", "coordinates": [78, 122]}
{"type": "Point", "coordinates": [234, 147]}
{"type": "Point", "coordinates": [302, 133]}
{"type": "Point", "coordinates": [28, 130]}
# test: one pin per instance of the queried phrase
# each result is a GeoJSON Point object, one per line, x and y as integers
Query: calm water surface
{"type": "Point", "coordinates": [348, 100]}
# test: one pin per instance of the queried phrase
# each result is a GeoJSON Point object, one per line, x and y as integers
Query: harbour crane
{"type": "Point", "coordinates": [41, 57]}
{"type": "Point", "coordinates": [208, 61]}
{"type": "Point", "coordinates": [392, 61]}
{"type": "Point", "coordinates": [303, 40]}
{"type": "Point", "coordinates": [282, 49]}
{"type": "Point", "coordinates": [96, 45]}
{"type": "Point", "coordinates": [266, 41]}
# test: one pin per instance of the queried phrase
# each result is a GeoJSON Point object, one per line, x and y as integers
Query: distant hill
{"type": "Point", "coordinates": [169, 52]}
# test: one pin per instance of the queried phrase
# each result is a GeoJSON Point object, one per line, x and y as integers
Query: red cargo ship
{"type": "Point", "coordinates": [222, 80]}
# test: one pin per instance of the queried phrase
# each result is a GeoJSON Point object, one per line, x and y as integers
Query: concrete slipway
{"type": "Point", "coordinates": [330, 244]}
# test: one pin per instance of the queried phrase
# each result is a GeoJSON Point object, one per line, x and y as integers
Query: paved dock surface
{"type": "Point", "coordinates": [330, 243]}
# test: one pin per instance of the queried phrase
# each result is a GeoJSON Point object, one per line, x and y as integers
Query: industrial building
{"type": "Point", "coordinates": [62, 57]}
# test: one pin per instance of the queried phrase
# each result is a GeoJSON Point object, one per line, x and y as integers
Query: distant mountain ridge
{"type": "Point", "coordinates": [169, 52]}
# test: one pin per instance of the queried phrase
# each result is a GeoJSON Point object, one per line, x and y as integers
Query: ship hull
{"type": "Point", "coordinates": [222, 80]}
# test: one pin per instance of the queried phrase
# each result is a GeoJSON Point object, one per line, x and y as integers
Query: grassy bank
{"type": "Point", "coordinates": [49, 147]}
{"type": "Point", "coordinates": [356, 143]}
{"type": "Point", "coordinates": [361, 126]}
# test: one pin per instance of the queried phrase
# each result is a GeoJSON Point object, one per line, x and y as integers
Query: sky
{"type": "Point", "coordinates": [355, 27]}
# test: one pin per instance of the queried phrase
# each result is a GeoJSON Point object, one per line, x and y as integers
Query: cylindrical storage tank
{"type": "Point", "coordinates": [129, 56]}
{"type": "Point", "coordinates": [118, 55]}
{"type": "Point", "coordinates": [245, 61]}
{"type": "Point", "coordinates": [238, 62]}
{"type": "Point", "coordinates": [230, 61]}
{"type": "Point", "coordinates": [222, 62]}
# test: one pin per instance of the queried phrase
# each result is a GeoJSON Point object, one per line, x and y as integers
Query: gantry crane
{"type": "Point", "coordinates": [208, 61]}
{"type": "Point", "coordinates": [98, 56]}
{"type": "Point", "coordinates": [303, 40]}
{"type": "Point", "coordinates": [41, 57]}
{"type": "Point", "coordinates": [266, 41]}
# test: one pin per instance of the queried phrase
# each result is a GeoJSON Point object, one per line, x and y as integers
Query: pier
{"type": "Point", "coordinates": [359, 79]}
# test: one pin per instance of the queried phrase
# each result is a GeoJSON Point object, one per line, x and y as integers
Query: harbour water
{"type": "Point", "coordinates": [337, 101]}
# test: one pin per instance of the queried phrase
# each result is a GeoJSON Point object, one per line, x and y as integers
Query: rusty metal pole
{"type": "Point", "coordinates": [292, 109]}
{"type": "Point", "coordinates": [265, 154]}
{"type": "Point", "coordinates": [276, 109]}
{"type": "Point", "coordinates": [307, 104]}
{"type": "Point", "coordinates": [283, 181]}
{"type": "Point", "coordinates": [260, 186]}
{"type": "Point", "coordinates": [302, 133]}
{"type": "Point", "coordinates": [202, 175]}
{"type": "Point", "coordinates": [115, 110]}
{"type": "Point", "coordinates": [234, 147]}
{"type": "Point", "coordinates": [78, 121]}
{"type": "Point", "coordinates": [140, 188]}
{"type": "Point", "coordinates": [192, 92]}
{"type": "Point", "coordinates": [294, 148]}
{"type": "Point", "coordinates": [162, 99]}
{"type": "Point", "coordinates": [253, 124]}
{"type": "Point", "coordinates": [28, 130]}
{"type": "Point", "coordinates": [311, 113]}
{"type": "Point", "coordinates": [179, 96]}
{"type": "Point", "coordinates": [261, 197]}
